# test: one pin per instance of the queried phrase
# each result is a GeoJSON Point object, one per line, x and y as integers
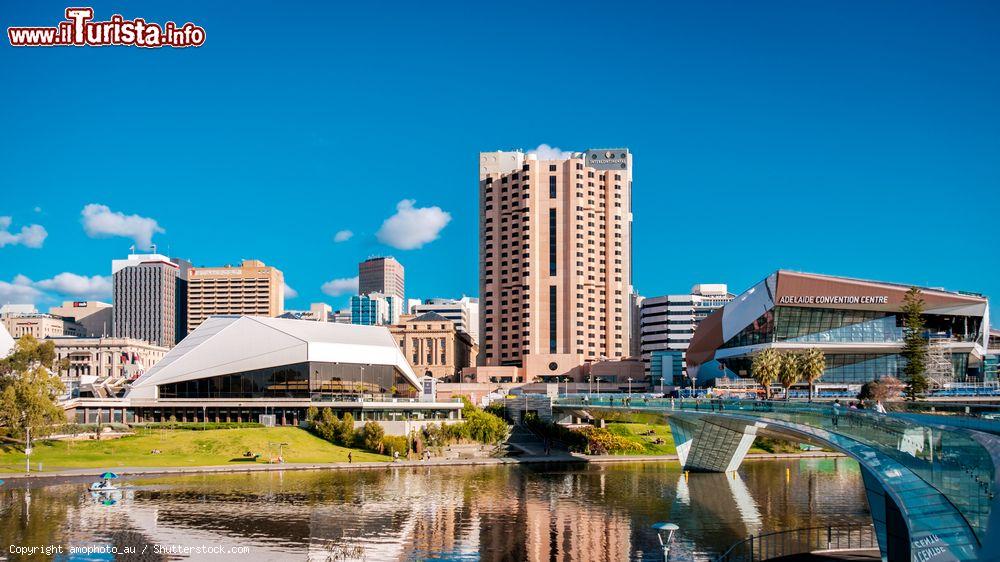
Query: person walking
{"type": "Point", "coordinates": [836, 412]}
{"type": "Point", "coordinates": [879, 408]}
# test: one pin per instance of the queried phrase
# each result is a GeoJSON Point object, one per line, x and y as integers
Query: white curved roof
{"type": "Point", "coordinates": [229, 344]}
{"type": "Point", "coordinates": [6, 342]}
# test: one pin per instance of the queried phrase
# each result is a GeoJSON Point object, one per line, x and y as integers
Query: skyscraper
{"type": "Point", "coordinates": [667, 324]}
{"type": "Point", "coordinates": [150, 298]}
{"type": "Point", "coordinates": [251, 289]}
{"type": "Point", "coordinates": [555, 259]}
{"type": "Point", "coordinates": [381, 275]}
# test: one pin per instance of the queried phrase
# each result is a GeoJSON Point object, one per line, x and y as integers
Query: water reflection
{"type": "Point", "coordinates": [598, 512]}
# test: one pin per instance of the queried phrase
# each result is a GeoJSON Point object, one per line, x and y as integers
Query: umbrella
{"type": "Point", "coordinates": [109, 475]}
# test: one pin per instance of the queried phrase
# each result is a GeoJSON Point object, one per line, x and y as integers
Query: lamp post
{"type": "Point", "coordinates": [598, 387]}
{"type": "Point", "coordinates": [27, 450]}
{"type": "Point", "coordinates": [630, 389]}
{"type": "Point", "coordinates": [670, 528]}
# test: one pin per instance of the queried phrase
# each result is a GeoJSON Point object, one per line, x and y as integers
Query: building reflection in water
{"type": "Point", "coordinates": [598, 512]}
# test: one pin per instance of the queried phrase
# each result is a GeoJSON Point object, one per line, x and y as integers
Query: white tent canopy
{"type": "Point", "coordinates": [231, 344]}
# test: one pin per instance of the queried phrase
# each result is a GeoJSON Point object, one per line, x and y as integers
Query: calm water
{"type": "Point", "coordinates": [597, 512]}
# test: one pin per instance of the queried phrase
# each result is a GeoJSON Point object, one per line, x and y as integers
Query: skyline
{"type": "Point", "coordinates": [741, 145]}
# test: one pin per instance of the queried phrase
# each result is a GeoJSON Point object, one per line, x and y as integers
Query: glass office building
{"type": "Point", "coordinates": [856, 323]}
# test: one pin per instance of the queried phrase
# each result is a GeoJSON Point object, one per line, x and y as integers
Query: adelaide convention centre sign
{"type": "Point", "coordinates": [833, 299]}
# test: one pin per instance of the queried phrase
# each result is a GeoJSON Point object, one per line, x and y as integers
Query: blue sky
{"type": "Point", "coordinates": [851, 138]}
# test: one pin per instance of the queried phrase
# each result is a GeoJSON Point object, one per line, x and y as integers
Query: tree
{"type": "Point", "coordinates": [372, 434]}
{"type": "Point", "coordinates": [765, 368]}
{"type": "Point", "coordinates": [29, 391]}
{"type": "Point", "coordinates": [813, 367]}
{"type": "Point", "coordinates": [914, 344]}
{"type": "Point", "coordinates": [881, 390]}
{"type": "Point", "coordinates": [790, 372]}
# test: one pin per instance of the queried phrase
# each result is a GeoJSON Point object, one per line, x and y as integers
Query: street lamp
{"type": "Point", "coordinates": [670, 528]}
{"type": "Point", "coordinates": [598, 387]}
{"type": "Point", "coordinates": [630, 389]}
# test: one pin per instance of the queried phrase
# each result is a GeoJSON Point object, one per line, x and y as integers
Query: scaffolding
{"type": "Point", "coordinates": [940, 369]}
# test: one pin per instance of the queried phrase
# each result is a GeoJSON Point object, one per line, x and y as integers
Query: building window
{"type": "Point", "coordinates": [552, 187]}
{"type": "Point", "coordinates": [552, 319]}
{"type": "Point", "coordinates": [552, 242]}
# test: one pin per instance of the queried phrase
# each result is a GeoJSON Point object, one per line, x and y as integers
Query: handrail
{"type": "Point", "coordinates": [801, 541]}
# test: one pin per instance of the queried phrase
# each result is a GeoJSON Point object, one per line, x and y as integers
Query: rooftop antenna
{"type": "Point", "coordinates": [153, 247]}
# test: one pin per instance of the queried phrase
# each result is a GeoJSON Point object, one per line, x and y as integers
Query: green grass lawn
{"type": "Point", "coordinates": [634, 432]}
{"type": "Point", "coordinates": [182, 448]}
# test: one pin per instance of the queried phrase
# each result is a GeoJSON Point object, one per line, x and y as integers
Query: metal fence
{"type": "Point", "coordinates": [801, 541]}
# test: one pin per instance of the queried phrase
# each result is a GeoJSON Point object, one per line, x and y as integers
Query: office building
{"type": "Point", "coordinates": [991, 365]}
{"type": "Point", "coordinates": [94, 316]}
{"type": "Point", "coordinates": [251, 289]}
{"type": "Point", "coordinates": [375, 309]}
{"type": "Point", "coordinates": [40, 326]}
{"type": "Point", "coordinates": [856, 323]}
{"type": "Point", "coordinates": [10, 308]}
{"type": "Point", "coordinates": [666, 325]}
{"type": "Point", "coordinates": [150, 298]}
{"type": "Point", "coordinates": [464, 312]}
{"type": "Point", "coordinates": [382, 275]}
{"type": "Point", "coordinates": [434, 346]}
{"type": "Point", "coordinates": [555, 267]}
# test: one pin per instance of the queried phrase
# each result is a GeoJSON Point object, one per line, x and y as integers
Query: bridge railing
{"type": "Point", "coordinates": [951, 461]}
{"type": "Point", "coordinates": [801, 541]}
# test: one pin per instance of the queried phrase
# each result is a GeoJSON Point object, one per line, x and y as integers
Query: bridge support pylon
{"type": "Point", "coordinates": [711, 445]}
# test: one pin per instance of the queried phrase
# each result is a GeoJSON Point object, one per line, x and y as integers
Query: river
{"type": "Point", "coordinates": [597, 512]}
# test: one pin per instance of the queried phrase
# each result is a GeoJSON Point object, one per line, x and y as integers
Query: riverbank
{"type": "Point", "coordinates": [230, 468]}
{"type": "Point", "coordinates": [181, 447]}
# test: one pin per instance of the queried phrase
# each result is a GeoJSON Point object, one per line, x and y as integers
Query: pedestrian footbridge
{"type": "Point", "coordinates": [931, 481]}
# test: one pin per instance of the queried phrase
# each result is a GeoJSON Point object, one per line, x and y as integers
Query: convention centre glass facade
{"type": "Point", "coordinates": [820, 326]}
{"type": "Point", "coordinates": [832, 325]}
{"type": "Point", "coordinates": [308, 380]}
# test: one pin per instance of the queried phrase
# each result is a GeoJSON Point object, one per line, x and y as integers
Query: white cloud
{"type": "Point", "coordinates": [343, 236]}
{"type": "Point", "coordinates": [80, 287]}
{"type": "Point", "coordinates": [38, 209]}
{"type": "Point", "coordinates": [71, 284]}
{"type": "Point", "coordinates": [338, 287]}
{"type": "Point", "coordinates": [412, 227]}
{"type": "Point", "coordinates": [32, 236]}
{"type": "Point", "coordinates": [546, 152]}
{"type": "Point", "coordinates": [290, 293]}
{"type": "Point", "coordinates": [19, 291]}
{"type": "Point", "coordinates": [99, 221]}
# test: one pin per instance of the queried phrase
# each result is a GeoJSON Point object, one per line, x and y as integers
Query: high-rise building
{"type": "Point", "coordinates": [250, 289]}
{"type": "Point", "coordinates": [382, 275]}
{"type": "Point", "coordinates": [666, 326]}
{"type": "Point", "coordinates": [375, 309]}
{"type": "Point", "coordinates": [150, 298]}
{"type": "Point", "coordinates": [464, 312]}
{"type": "Point", "coordinates": [94, 316]}
{"type": "Point", "coordinates": [555, 259]}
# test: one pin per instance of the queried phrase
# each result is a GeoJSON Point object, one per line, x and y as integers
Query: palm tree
{"type": "Point", "coordinates": [791, 371]}
{"type": "Point", "coordinates": [765, 368]}
{"type": "Point", "coordinates": [813, 366]}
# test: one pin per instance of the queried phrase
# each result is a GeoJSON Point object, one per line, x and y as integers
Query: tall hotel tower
{"type": "Point", "coordinates": [555, 259]}
{"type": "Point", "coordinates": [150, 298]}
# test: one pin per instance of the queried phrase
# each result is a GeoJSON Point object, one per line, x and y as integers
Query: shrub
{"type": "Point", "coordinates": [395, 443]}
{"type": "Point", "coordinates": [600, 441]}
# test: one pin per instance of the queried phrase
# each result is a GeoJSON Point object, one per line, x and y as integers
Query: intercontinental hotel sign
{"type": "Point", "coordinates": [834, 299]}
